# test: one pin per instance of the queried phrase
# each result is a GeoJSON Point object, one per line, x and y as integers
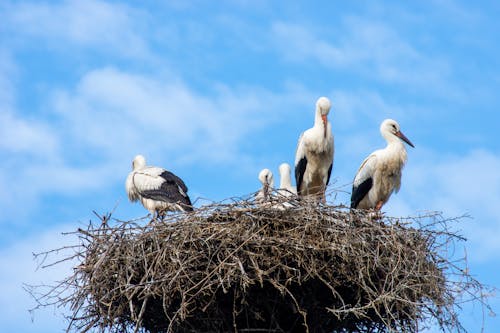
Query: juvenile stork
{"type": "Point", "coordinates": [158, 190]}
{"type": "Point", "coordinates": [286, 188]}
{"type": "Point", "coordinates": [380, 173]}
{"type": "Point", "coordinates": [267, 180]}
{"type": "Point", "coordinates": [314, 155]}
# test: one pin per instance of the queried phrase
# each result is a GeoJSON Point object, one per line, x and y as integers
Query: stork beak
{"type": "Point", "coordinates": [323, 116]}
{"type": "Point", "coordinates": [325, 121]}
{"type": "Point", "coordinates": [400, 135]}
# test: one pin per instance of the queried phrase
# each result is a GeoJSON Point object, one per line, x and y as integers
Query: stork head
{"type": "Point", "coordinates": [266, 178]}
{"type": "Point", "coordinates": [285, 169]}
{"type": "Point", "coordinates": [139, 162]}
{"type": "Point", "coordinates": [390, 130]}
{"type": "Point", "coordinates": [323, 106]}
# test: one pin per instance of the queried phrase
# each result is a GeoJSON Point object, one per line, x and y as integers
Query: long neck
{"type": "Point", "coordinates": [396, 148]}
{"type": "Point", "coordinates": [285, 181]}
{"type": "Point", "coordinates": [319, 125]}
{"type": "Point", "coordinates": [317, 119]}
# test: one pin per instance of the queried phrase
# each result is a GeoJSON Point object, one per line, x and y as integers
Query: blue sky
{"type": "Point", "coordinates": [216, 91]}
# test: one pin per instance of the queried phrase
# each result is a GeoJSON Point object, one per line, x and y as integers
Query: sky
{"type": "Point", "coordinates": [216, 91]}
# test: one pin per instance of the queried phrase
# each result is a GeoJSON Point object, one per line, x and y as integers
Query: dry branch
{"type": "Point", "coordinates": [245, 268]}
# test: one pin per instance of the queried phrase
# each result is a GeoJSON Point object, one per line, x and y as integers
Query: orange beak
{"type": "Point", "coordinates": [325, 121]}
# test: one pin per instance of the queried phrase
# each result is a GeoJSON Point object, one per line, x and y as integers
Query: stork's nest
{"type": "Point", "coordinates": [242, 267]}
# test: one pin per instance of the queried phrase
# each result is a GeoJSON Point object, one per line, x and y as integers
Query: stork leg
{"type": "Point", "coordinates": [379, 205]}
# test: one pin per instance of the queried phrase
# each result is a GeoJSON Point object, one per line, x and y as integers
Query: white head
{"type": "Point", "coordinates": [285, 169]}
{"type": "Point", "coordinates": [391, 131]}
{"type": "Point", "coordinates": [323, 105]}
{"type": "Point", "coordinates": [139, 162]}
{"type": "Point", "coordinates": [266, 178]}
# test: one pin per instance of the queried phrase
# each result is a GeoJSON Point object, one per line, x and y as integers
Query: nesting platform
{"type": "Point", "coordinates": [241, 267]}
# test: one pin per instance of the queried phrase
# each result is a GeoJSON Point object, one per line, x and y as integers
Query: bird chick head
{"type": "Point", "coordinates": [266, 177]}
{"type": "Point", "coordinates": [285, 168]}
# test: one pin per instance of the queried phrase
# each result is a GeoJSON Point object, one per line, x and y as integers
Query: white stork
{"type": "Point", "coordinates": [380, 173]}
{"type": "Point", "coordinates": [286, 188]}
{"type": "Point", "coordinates": [158, 190]}
{"type": "Point", "coordinates": [314, 156]}
{"type": "Point", "coordinates": [267, 180]}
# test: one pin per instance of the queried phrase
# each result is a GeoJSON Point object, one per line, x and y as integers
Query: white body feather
{"type": "Point", "coordinates": [266, 178]}
{"type": "Point", "coordinates": [317, 146]}
{"type": "Point", "coordinates": [384, 168]}
{"type": "Point", "coordinates": [147, 178]}
{"type": "Point", "coordinates": [286, 187]}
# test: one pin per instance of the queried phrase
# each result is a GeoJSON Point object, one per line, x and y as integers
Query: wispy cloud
{"type": "Point", "coordinates": [19, 135]}
{"type": "Point", "coordinates": [368, 47]}
{"type": "Point", "coordinates": [110, 115]}
{"type": "Point", "coordinates": [19, 268]}
{"type": "Point", "coordinates": [456, 185]}
{"type": "Point", "coordinates": [100, 25]}
{"type": "Point", "coordinates": [117, 111]}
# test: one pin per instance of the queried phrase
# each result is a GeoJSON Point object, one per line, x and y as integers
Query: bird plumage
{"type": "Point", "coordinates": [286, 188]}
{"type": "Point", "coordinates": [158, 190]}
{"type": "Point", "coordinates": [380, 173]}
{"type": "Point", "coordinates": [266, 178]}
{"type": "Point", "coordinates": [314, 155]}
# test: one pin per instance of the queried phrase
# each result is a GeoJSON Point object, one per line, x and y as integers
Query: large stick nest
{"type": "Point", "coordinates": [250, 268]}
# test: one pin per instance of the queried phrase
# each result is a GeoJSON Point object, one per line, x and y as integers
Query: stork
{"type": "Point", "coordinates": [158, 190]}
{"type": "Point", "coordinates": [380, 173]}
{"type": "Point", "coordinates": [267, 180]}
{"type": "Point", "coordinates": [286, 188]}
{"type": "Point", "coordinates": [314, 155]}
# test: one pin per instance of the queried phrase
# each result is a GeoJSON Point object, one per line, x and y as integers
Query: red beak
{"type": "Point", "coordinates": [400, 135]}
{"type": "Point", "coordinates": [325, 122]}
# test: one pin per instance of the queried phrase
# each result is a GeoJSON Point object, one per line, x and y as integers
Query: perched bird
{"type": "Point", "coordinates": [314, 155]}
{"type": "Point", "coordinates": [286, 188]}
{"type": "Point", "coordinates": [267, 180]}
{"type": "Point", "coordinates": [158, 190]}
{"type": "Point", "coordinates": [380, 173]}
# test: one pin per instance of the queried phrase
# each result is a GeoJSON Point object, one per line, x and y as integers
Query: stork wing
{"type": "Point", "coordinates": [147, 179]}
{"type": "Point", "coordinates": [363, 181]}
{"type": "Point", "coordinates": [132, 193]}
{"type": "Point", "coordinates": [172, 189]}
{"type": "Point", "coordinates": [300, 163]}
{"type": "Point", "coordinates": [170, 177]}
{"type": "Point", "coordinates": [329, 173]}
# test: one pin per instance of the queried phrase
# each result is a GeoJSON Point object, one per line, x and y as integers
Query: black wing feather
{"type": "Point", "coordinates": [170, 177]}
{"type": "Point", "coordinates": [329, 173]}
{"type": "Point", "coordinates": [169, 191]}
{"type": "Point", "coordinates": [300, 169]}
{"type": "Point", "coordinates": [360, 191]}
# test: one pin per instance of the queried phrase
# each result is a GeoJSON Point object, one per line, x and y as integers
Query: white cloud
{"type": "Point", "coordinates": [123, 114]}
{"type": "Point", "coordinates": [110, 115]}
{"type": "Point", "coordinates": [364, 46]}
{"type": "Point", "coordinates": [95, 24]}
{"type": "Point", "coordinates": [21, 135]}
{"type": "Point", "coordinates": [18, 267]}
{"type": "Point", "coordinates": [456, 185]}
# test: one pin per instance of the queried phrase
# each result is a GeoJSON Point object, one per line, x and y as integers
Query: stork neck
{"type": "Point", "coordinates": [397, 148]}
{"type": "Point", "coordinates": [317, 119]}
{"type": "Point", "coordinates": [285, 181]}
{"type": "Point", "coordinates": [394, 142]}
